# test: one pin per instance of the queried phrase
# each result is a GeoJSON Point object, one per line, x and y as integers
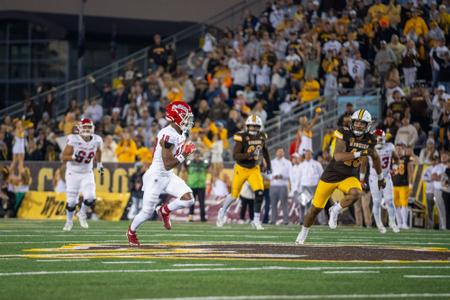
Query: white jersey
{"type": "Point", "coordinates": [385, 154]}
{"type": "Point", "coordinates": [85, 151]}
{"type": "Point", "coordinates": [170, 135]}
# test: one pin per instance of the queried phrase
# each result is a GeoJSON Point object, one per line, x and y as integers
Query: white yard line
{"type": "Point", "coordinates": [426, 276]}
{"type": "Point", "coordinates": [60, 260]}
{"type": "Point", "coordinates": [324, 296]}
{"type": "Point", "coordinates": [171, 270]}
{"type": "Point", "coordinates": [351, 272]}
{"type": "Point", "coordinates": [127, 262]}
{"type": "Point", "coordinates": [197, 265]}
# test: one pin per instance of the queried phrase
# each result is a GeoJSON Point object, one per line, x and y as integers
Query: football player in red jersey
{"type": "Point", "coordinates": [171, 150]}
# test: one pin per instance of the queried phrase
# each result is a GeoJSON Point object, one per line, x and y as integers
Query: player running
{"type": "Point", "coordinates": [171, 150]}
{"type": "Point", "coordinates": [80, 151]}
{"type": "Point", "coordinates": [250, 146]}
{"type": "Point", "coordinates": [350, 146]}
{"type": "Point", "coordinates": [387, 153]}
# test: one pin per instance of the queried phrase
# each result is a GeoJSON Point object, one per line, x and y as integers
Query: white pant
{"type": "Point", "coordinates": [156, 184]}
{"type": "Point", "coordinates": [77, 183]}
{"type": "Point", "coordinates": [387, 193]}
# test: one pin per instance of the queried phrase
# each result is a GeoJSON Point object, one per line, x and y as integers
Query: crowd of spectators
{"type": "Point", "coordinates": [293, 52]}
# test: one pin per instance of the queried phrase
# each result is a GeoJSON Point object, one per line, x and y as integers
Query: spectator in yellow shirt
{"type": "Point", "coordinates": [126, 149]}
{"type": "Point", "coordinates": [415, 27]}
{"type": "Point", "coordinates": [310, 90]}
{"type": "Point", "coordinates": [327, 139]}
{"type": "Point", "coordinates": [175, 94]}
{"type": "Point", "coordinates": [377, 11]}
{"type": "Point", "coordinates": [68, 123]}
{"type": "Point", "coordinates": [444, 18]}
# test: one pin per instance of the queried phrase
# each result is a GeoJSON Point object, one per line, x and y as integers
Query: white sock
{"type": "Point", "coordinates": [83, 208]}
{"type": "Point", "coordinates": [376, 210]}
{"type": "Point", "coordinates": [405, 215]}
{"type": "Point", "coordinates": [177, 204]}
{"type": "Point", "coordinates": [303, 234]}
{"type": "Point", "coordinates": [227, 203]}
{"type": "Point", "coordinates": [391, 211]}
{"type": "Point", "coordinates": [140, 218]}
{"type": "Point", "coordinates": [337, 208]}
{"type": "Point", "coordinates": [257, 217]}
{"type": "Point", "coordinates": [69, 215]}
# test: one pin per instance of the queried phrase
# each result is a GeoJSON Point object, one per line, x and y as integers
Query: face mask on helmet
{"type": "Point", "coordinates": [187, 122]}
{"type": "Point", "coordinates": [359, 127]}
{"type": "Point", "coordinates": [253, 129]}
{"type": "Point", "coordinates": [86, 130]}
{"type": "Point", "coordinates": [381, 140]}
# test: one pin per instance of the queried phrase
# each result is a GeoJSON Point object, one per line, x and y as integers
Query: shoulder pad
{"type": "Point", "coordinates": [339, 133]}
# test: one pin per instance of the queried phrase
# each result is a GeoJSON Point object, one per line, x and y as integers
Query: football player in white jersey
{"type": "Point", "coordinates": [171, 150]}
{"type": "Point", "coordinates": [387, 154]}
{"type": "Point", "coordinates": [80, 151]}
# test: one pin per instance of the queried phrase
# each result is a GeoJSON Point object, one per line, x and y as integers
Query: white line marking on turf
{"type": "Point", "coordinates": [351, 272]}
{"type": "Point", "coordinates": [127, 262]}
{"type": "Point", "coordinates": [269, 268]}
{"type": "Point", "coordinates": [332, 296]}
{"type": "Point", "coordinates": [426, 276]}
{"type": "Point", "coordinates": [60, 260]}
{"type": "Point", "coordinates": [197, 265]}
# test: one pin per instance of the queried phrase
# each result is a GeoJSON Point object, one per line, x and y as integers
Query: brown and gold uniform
{"type": "Point", "coordinates": [342, 175]}
{"type": "Point", "coordinates": [401, 182]}
{"type": "Point", "coordinates": [247, 169]}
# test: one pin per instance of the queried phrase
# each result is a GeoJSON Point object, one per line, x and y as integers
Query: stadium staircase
{"type": "Point", "coordinates": [186, 41]}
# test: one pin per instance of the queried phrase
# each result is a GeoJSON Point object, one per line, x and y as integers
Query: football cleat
{"type": "Point", "coordinates": [133, 240]}
{"type": "Point", "coordinates": [221, 219]}
{"type": "Point", "coordinates": [82, 218]}
{"type": "Point", "coordinates": [302, 235]}
{"type": "Point", "coordinates": [257, 225]}
{"type": "Point", "coordinates": [332, 222]}
{"type": "Point", "coordinates": [68, 226]}
{"type": "Point", "coordinates": [164, 212]}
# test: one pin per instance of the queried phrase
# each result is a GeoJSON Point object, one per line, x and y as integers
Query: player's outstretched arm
{"type": "Point", "coordinates": [67, 154]}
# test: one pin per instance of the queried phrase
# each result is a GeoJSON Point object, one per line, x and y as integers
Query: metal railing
{"type": "Point", "coordinates": [185, 41]}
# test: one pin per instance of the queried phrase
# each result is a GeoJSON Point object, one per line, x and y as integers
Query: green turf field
{"type": "Point", "coordinates": [40, 261]}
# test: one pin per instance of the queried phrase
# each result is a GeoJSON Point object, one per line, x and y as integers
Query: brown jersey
{"type": "Point", "coordinates": [251, 143]}
{"type": "Point", "coordinates": [401, 177]}
{"type": "Point", "coordinates": [340, 170]}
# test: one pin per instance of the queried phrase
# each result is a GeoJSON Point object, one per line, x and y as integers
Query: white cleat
{"type": "Point", "coordinates": [257, 225]}
{"type": "Point", "coordinates": [381, 229]}
{"type": "Point", "coordinates": [302, 235]}
{"type": "Point", "coordinates": [332, 222]}
{"type": "Point", "coordinates": [68, 226]}
{"type": "Point", "coordinates": [221, 219]}
{"type": "Point", "coordinates": [394, 227]}
{"type": "Point", "coordinates": [82, 218]}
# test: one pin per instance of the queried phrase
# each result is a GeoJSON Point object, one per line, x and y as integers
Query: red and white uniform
{"type": "Point", "coordinates": [79, 173]}
{"type": "Point", "coordinates": [385, 153]}
{"type": "Point", "coordinates": [157, 180]}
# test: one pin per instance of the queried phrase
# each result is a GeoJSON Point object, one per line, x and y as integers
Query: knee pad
{"type": "Point", "coordinates": [189, 203]}
{"type": "Point", "coordinates": [89, 202]}
{"type": "Point", "coordinates": [70, 208]}
{"type": "Point", "coordinates": [259, 197]}
{"type": "Point", "coordinates": [72, 199]}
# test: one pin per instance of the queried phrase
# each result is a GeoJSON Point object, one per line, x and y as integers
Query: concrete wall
{"type": "Point", "coordinates": [169, 10]}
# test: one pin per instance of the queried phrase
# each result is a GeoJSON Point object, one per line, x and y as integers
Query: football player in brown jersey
{"type": "Point", "coordinates": [350, 147]}
{"type": "Point", "coordinates": [249, 148]}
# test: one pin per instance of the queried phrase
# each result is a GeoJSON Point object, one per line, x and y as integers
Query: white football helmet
{"type": "Point", "coordinates": [361, 121]}
{"type": "Point", "coordinates": [254, 124]}
{"type": "Point", "coordinates": [85, 127]}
